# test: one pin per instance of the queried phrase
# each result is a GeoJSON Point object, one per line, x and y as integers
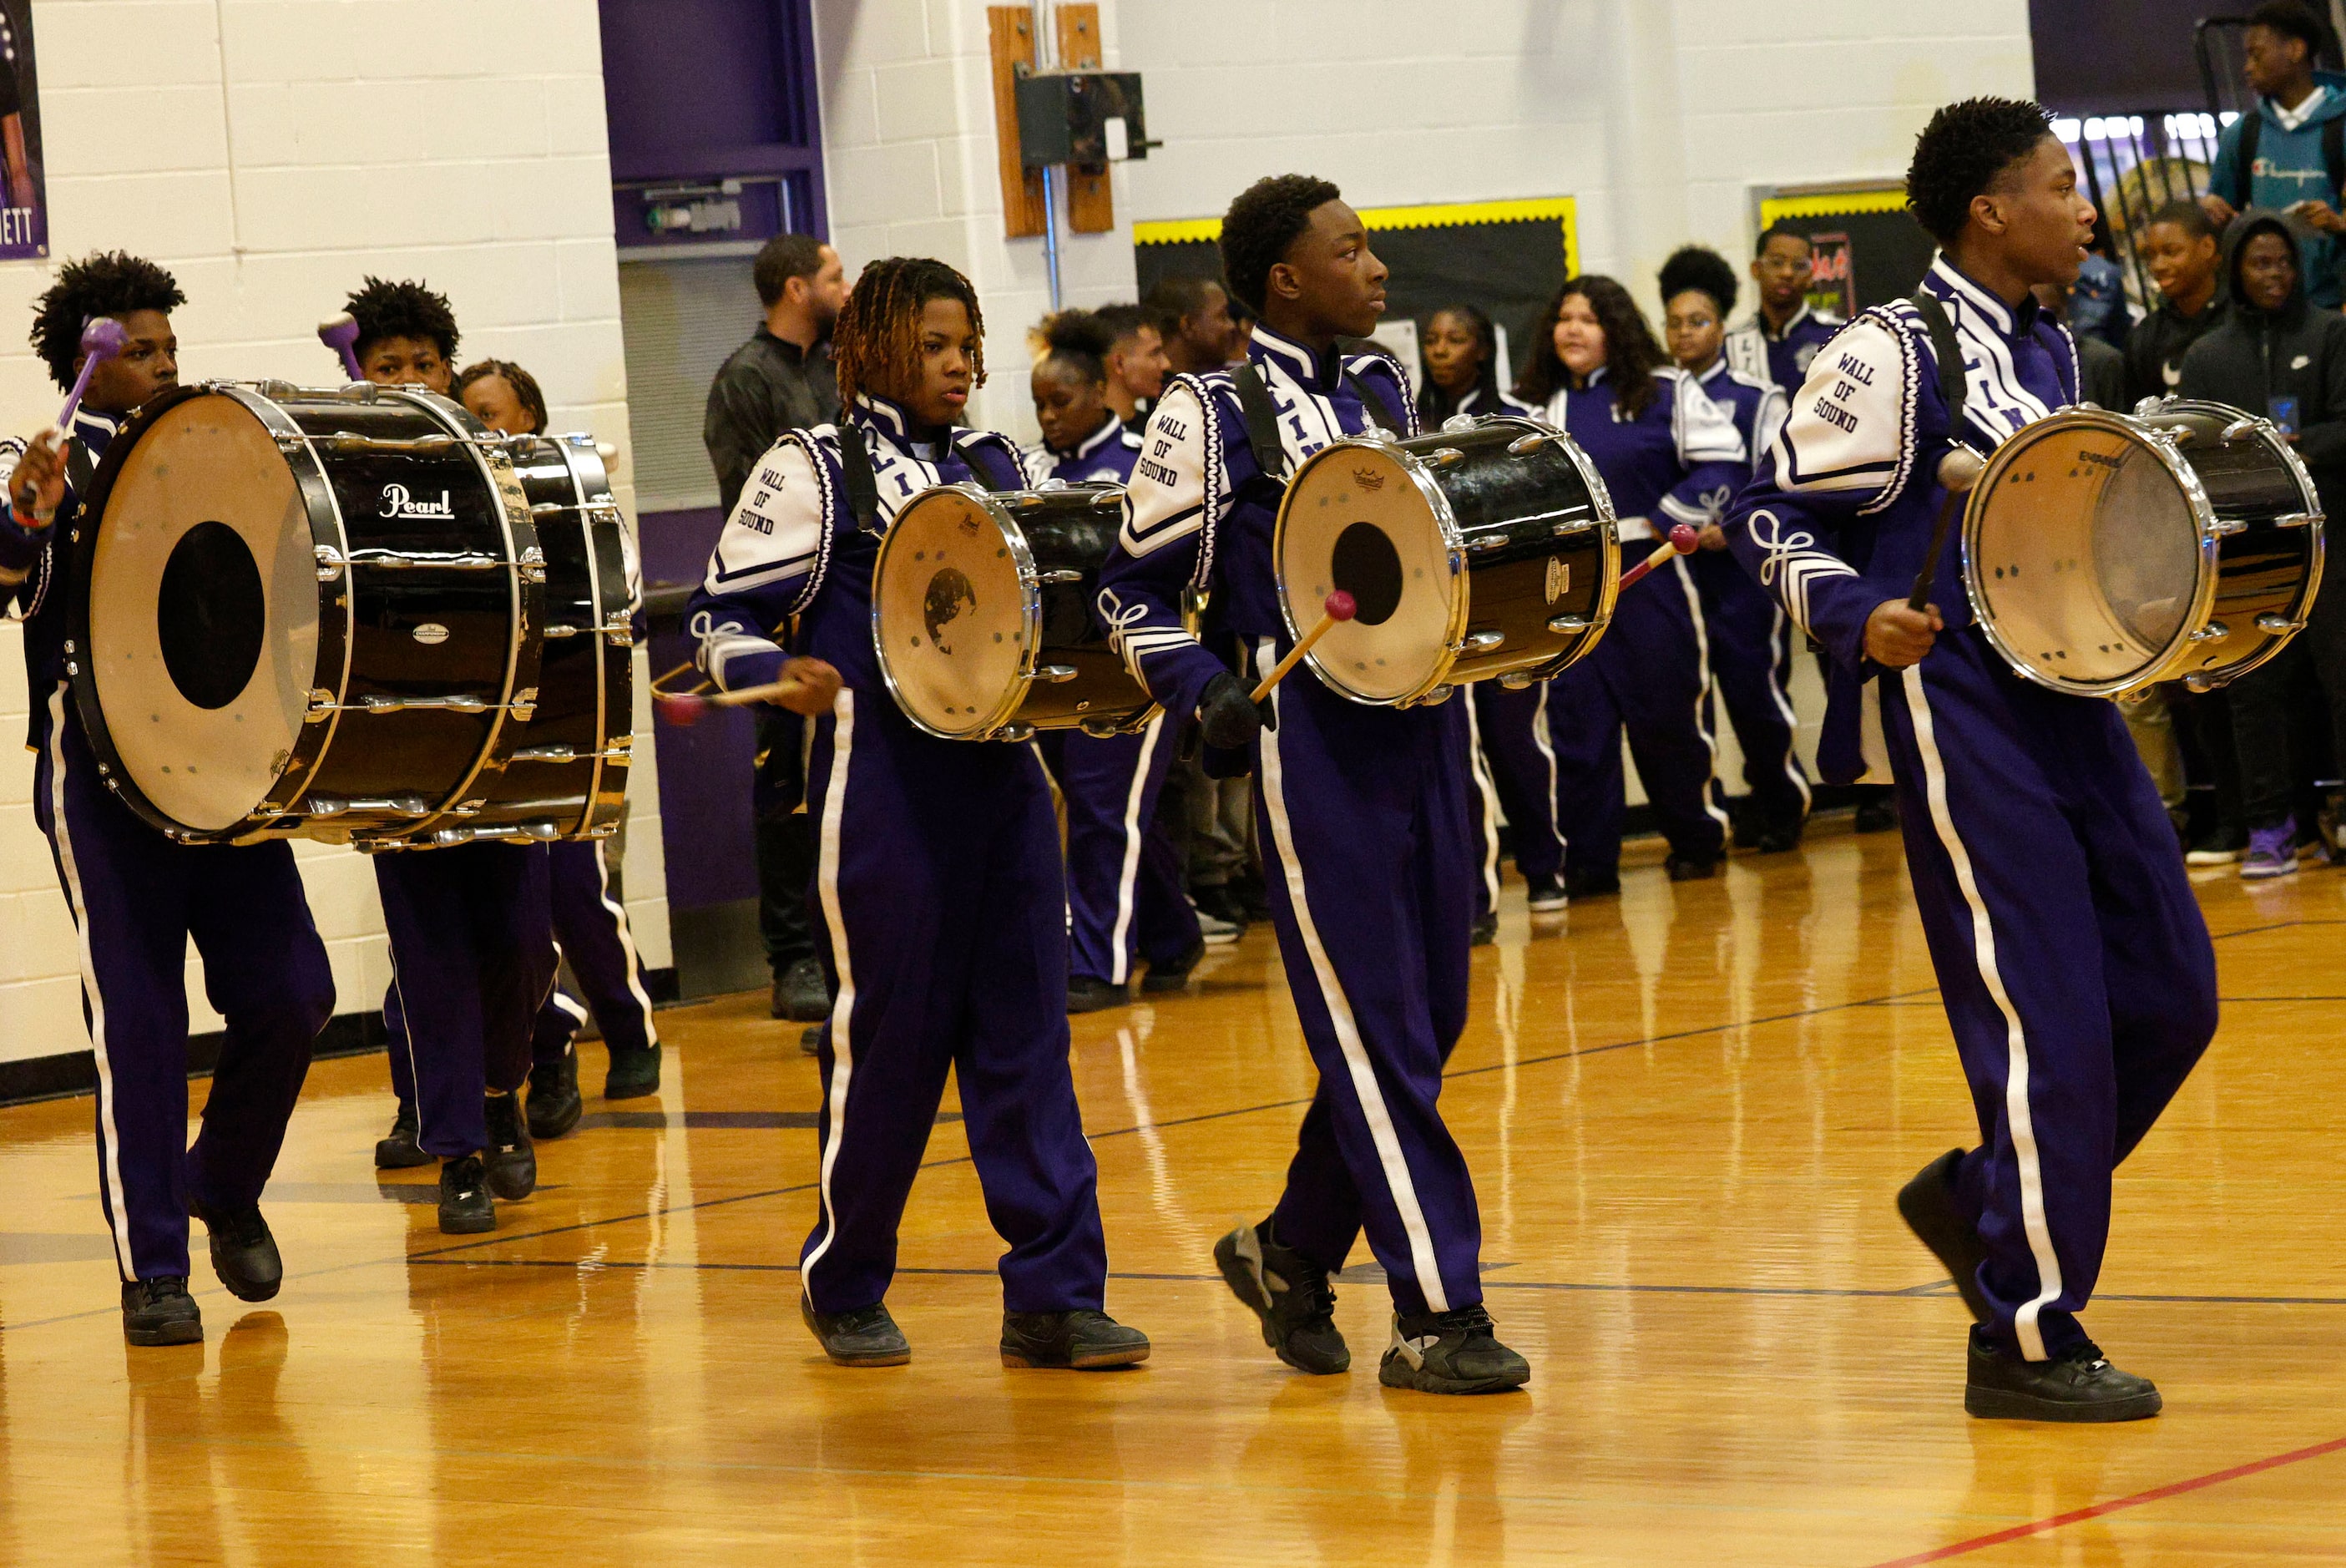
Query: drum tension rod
{"type": "Point", "coordinates": [1531, 443]}
{"type": "Point", "coordinates": [1055, 673]}
{"type": "Point", "coordinates": [567, 754]}
{"type": "Point", "coordinates": [1481, 642]}
{"type": "Point", "coordinates": [2296, 519]}
{"type": "Point", "coordinates": [1568, 623]}
{"type": "Point", "coordinates": [1063, 575]}
{"type": "Point", "coordinates": [2225, 527]}
{"type": "Point", "coordinates": [2279, 626]}
{"type": "Point", "coordinates": [2213, 631]}
{"type": "Point", "coordinates": [2246, 425]}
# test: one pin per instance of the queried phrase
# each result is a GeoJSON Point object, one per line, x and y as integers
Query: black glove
{"type": "Point", "coordinates": [1227, 717]}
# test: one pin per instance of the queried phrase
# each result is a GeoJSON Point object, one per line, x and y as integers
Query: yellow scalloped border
{"type": "Point", "coordinates": [1562, 209]}
{"type": "Point", "coordinates": [1887, 198]}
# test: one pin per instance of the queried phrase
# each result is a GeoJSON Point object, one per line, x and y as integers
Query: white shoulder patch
{"type": "Point", "coordinates": [1165, 499]}
{"type": "Point", "coordinates": [777, 530]}
{"type": "Point", "coordinates": [1706, 432]}
{"type": "Point", "coordinates": [1847, 430]}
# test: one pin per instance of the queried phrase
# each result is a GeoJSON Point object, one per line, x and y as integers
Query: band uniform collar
{"type": "Point", "coordinates": [1108, 431]}
{"type": "Point", "coordinates": [1318, 372]}
{"type": "Point", "coordinates": [1948, 282]}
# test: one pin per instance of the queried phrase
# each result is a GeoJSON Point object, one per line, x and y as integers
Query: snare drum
{"type": "Point", "coordinates": [982, 613]}
{"type": "Point", "coordinates": [325, 615]}
{"type": "Point", "coordinates": [2103, 553]}
{"type": "Point", "coordinates": [1474, 553]}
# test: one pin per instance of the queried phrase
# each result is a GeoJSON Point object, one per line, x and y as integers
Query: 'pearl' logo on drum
{"type": "Point", "coordinates": [398, 501]}
{"type": "Point", "coordinates": [1368, 479]}
{"type": "Point", "coordinates": [1559, 578]}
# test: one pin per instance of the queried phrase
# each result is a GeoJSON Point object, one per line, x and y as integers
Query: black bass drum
{"type": "Point", "coordinates": [982, 613]}
{"type": "Point", "coordinates": [1482, 551]}
{"type": "Point", "coordinates": [310, 613]}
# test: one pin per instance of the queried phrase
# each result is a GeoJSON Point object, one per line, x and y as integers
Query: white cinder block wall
{"type": "Point", "coordinates": [271, 154]}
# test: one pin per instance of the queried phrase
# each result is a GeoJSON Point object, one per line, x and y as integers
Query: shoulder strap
{"type": "Point", "coordinates": [1949, 351]}
{"type": "Point", "coordinates": [991, 480]}
{"type": "Point", "coordinates": [1374, 401]}
{"type": "Point", "coordinates": [1261, 422]}
{"type": "Point", "coordinates": [2253, 125]}
{"type": "Point", "coordinates": [855, 467]}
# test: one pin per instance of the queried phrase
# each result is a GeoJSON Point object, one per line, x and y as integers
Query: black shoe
{"type": "Point", "coordinates": [244, 1255]}
{"type": "Point", "coordinates": [1589, 883]}
{"type": "Point", "coordinates": [1221, 904]}
{"type": "Point", "coordinates": [1927, 1204]}
{"type": "Point", "coordinates": [1079, 1342]}
{"type": "Point", "coordinates": [810, 1041]}
{"type": "Point", "coordinates": [1747, 826]}
{"type": "Point", "coordinates": [160, 1311]}
{"type": "Point", "coordinates": [1289, 1293]}
{"type": "Point", "coordinates": [801, 993]}
{"type": "Point", "coordinates": [400, 1151]}
{"type": "Point", "coordinates": [1253, 898]}
{"type": "Point", "coordinates": [2221, 846]}
{"type": "Point", "coordinates": [1486, 930]}
{"type": "Point", "coordinates": [867, 1336]}
{"type": "Point", "coordinates": [1690, 868]}
{"type": "Point", "coordinates": [1544, 896]}
{"type": "Point", "coordinates": [553, 1103]}
{"type": "Point", "coordinates": [635, 1073]}
{"type": "Point", "coordinates": [510, 1161]}
{"type": "Point", "coordinates": [1089, 994]}
{"type": "Point", "coordinates": [1878, 815]}
{"type": "Point", "coordinates": [1777, 837]}
{"type": "Point", "coordinates": [1173, 976]}
{"type": "Point", "coordinates": [464, 1206]}
{"type": "Point", "coordinates": [2078, 1385]}
{"type": "Point", "coordinates": [1453, 1352]}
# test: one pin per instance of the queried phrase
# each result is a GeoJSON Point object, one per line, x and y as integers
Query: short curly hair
{"type": "Point", "coordinates": [407, 309]}
{"type": "Point", "coordinates": [877, 341]}
{"type": "Point", "coordinates": [1699, 268]}
{"type": "Point", "coordinates": [1963, 152]}
{"type": "Point", "coordinates": [1261, 224]}
{"type": "Point", "coordinates": [104, 283]}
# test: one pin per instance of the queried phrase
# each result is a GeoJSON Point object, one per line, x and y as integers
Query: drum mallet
{"type": "Point", "coordinates": [1958, 471]}
{"type": "Point", "coordinates": [684, 708]}
{"type": "Point", "coordinates": [340, 333]}
{"type": "Point", "coordinates": [101, 339]}
{"type": "Point", "coordinates": [1339, 607]}
{"type": "Point", "coordinates": [1680, 541]}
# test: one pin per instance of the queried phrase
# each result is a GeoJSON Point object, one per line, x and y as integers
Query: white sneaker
{"type": "Point", "coordinates": [1215, 930]}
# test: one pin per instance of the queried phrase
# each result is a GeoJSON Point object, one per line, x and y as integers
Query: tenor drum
{"type": "Point", "coordinates": [982, 613]}
{"type": "Point", "coordinates": [1474, 553]}
{"type": "Point", "coordinates": [2105, 553]}
{"type": "Point", "coordinates": [326, 615]}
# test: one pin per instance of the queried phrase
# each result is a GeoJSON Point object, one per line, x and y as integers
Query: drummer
{"type": "Point", "coordinates": [2072, 959]}
{"type": "Point", "coordinates": [1125, 897]}
{"type": "Point", "coordinates": [938, 864]}
{"type": "Point", "coordinates": [590, 925]}
{"type": "Point", "coordinates": [136, 897]}
{"type": "Point", "coordinates": [472, 958]}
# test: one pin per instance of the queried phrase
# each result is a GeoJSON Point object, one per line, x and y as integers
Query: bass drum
{"type": "Point", "coordinates": [1482, 551]}
{"type": "Point", "coordinates": [982, 613]}
{"type": "Point", "coordinates": [2105, 552]}
{"type": "Point", "coordinates": [311, 613]}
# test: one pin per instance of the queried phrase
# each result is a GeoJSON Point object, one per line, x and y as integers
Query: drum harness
{"type": "Point", "coordinates": [864, 486]}
{"type": "Point", "coordinates": [79, 472]}
{"type": "Point", "coordinates": [1955, 392]}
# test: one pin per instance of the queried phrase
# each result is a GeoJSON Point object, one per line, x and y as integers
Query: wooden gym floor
{"type": "Point", "coordinates": [1687, 1111]}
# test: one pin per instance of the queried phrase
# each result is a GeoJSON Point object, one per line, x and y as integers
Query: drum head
{"type": "Point", "coordinates": [1356, 518]}
{"type": "Point", "coordinates": [2085, 558]}
{"type": "Point", "coordinates": [950, 613]}
{"type": "Point", "coordinates": [203, 612]}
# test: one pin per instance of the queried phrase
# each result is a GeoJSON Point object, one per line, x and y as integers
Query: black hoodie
{"type": "Point", "coordinates": [2298, 352]}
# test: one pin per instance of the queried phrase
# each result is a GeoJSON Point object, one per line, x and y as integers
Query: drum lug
{"type": "Point", "coordinates": [1444, 457]}
{"type": "Point", "coordinates": [533, 565]}
{"type": "Point", "coordinates": [1531, 443]}
{"type": "Point", "coordinates": [1099, 729]}
{"type": "Point", "coordinates": [332, 806]}
{"type": "Point", "coordinates": [2279, 626]}
{"type": "Point", "coordinates": [1568, 623]}
{"type": "Point", "coordinates": [2213, 631]}
{"type": "Point", "coordinates": [330, 563]}
{"type": "Point", "coordinates": [2246, 425]}
{"type": "Point", "coordinates": [1461, 422]}
{"type": "Point", "coordinates": [2225, 527]}
{"type": "Point", "coordinates": [554, 633]}
{"type": "Point", "coordinates": [1062, 575]}
{"type": "Point", "coordinates": [1111, 499]}
{"type": "Point", "coordinates": [2297, 519]}
{"type": "Point", "coordinates": [1479, 642]}
{"type": "Point", "coordinates": [1437, 697]}
{"type": "Point", "coordinates": [1577, 525]}
{"type": "Point", "coordinates": [1516, 680]}
{"type": "Point", "coordinates": [1487, 543]}
{"type": "Point", "coordinates": [1014, 733]}
{"type": "Point", "coordinates": [1055, 673]}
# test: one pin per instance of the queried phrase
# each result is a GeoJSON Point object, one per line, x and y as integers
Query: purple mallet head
{"type": "Point", "coordinates": [339, 332]}
{"type": "Point", "coordinates": [102, 338]}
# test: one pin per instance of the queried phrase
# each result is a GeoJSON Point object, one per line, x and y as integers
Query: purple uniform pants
{"type": "Point", "coordinates": [1361, 813]}
{"type": "Point", "coordinates": [937, 862]}
{"type": "Point", "coordinates": [2074, 965]}
{"type": "Point", "coordinates": [1125, 886]}
{"type": "Point", "coordinates": [136, 898]}
{"type": "Point", "coordinates": [1750, 643]}
{"type": "Point", "coordinates": [591, 926]}
{"type": "Point", "coordinates": [1514, 775]}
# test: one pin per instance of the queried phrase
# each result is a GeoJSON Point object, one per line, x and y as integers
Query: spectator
{"type": "Point", "coordinates": [2288, 154]}
{"type": "Point", "coordinates": [1192, 317]}
{"type": "Point", "coordinates": [2274, 353]}
{"type": "Point", "coordinates": [780, 379]}
{"type": "Point", "coordinates": [2179, 247]}
{"type": "Point", "coordinates": [1136, 363]}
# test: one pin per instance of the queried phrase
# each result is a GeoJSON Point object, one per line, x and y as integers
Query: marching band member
{"type": "Point", "coordinates": [471, 958]}
{"type": "Point", "coordinates": [2074, 965]}
{"type": "Point", "coordinates": [1751, 641]}
{"type": "Point", "coordinates": [1362, 810]}
{"type": "Point", "coordinates": [137, 897]}
{"type": "Point", "coordinates": [938, 863]}
{"type": "Point", "coordinates": [1669, 455]}
{"type": "Point", "coordinates": [1785, 331]}
{"type": "Point", "coordinates": [1124, 896]}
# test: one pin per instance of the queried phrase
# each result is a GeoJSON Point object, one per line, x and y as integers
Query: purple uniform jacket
{"type": "Point", "coordinates": [1104, 457]}
{"type": "Point", "coordinates": [1784, 357]}
{"type": "Point", "coordinates": [1678, 459]}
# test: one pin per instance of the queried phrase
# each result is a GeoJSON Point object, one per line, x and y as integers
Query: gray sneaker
{"type": "Point", "coordinates": [1289, 1293]}
{"type": "Point", "coordinates": [867, 1336]}
{"type": "Point", "coordinates": [1453, 1352]}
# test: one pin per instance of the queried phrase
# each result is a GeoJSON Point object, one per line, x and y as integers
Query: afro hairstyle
{"type": "Point", "coordinates": [1261, 224]}
{"type": "Point", "coordinates": [402, 309]}
{"type": "Point", "coordinates": [1699, 268]}
{"type": "Point", "coordinates": [104, 283]}
{"type": "Point", "coordinates": [1963, 152]}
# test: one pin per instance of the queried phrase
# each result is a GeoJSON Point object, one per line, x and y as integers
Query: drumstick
{"type": "Point", "coordinates": [101, 340]}
{"type": "Point", "coordinates": [681, 707]}
{"type": "Point", "coordinates": [1340, 607]}
{"type": "Point", "coordinates": [1682, 540]}
{"type": "Point", "coordinates": [1958, 471]}
{"type": "Point", "coordinates": [340, 333]}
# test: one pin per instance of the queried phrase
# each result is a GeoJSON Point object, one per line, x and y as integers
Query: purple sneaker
{"type": "Point", "coordinates": [2272, 852]}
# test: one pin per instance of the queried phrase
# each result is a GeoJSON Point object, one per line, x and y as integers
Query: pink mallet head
{"type": "Point", "coordinates": [102, 338]}
{"type": "Point", "coordinates": [680, 708]}
{"type": "Point", "coordinates": [1684, 539]}
{"type": "Point", "coordinates": [1340, 605]}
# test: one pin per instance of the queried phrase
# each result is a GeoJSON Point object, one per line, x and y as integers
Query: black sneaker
{"type": "Point", "coordinates": [1691, 867]}
{"type": "Point", "coordinates": [1544, 896]}
{"type": "Point", "coordinates": [867, 1336]}
{"type": "Point", "coordinates": [2221, 846]}
{"type": "Point", "coordinates": [1486, 930]}
{"type": "Point", "coordinates": [511, 1163]}
{"type": "Point", "coordinates": [1453, 1352]}
{"type": "Point", "coordinates": [160, 1311]}
{"type": "Point", "coordinates": [635, 1073]}
{"type": "Point", "coordinates": [1779, 837]}
{"type": "Point", "coordinates": [1289, 1293]}
{"type": "Point", "coordinates": [1590, 883]}
{"type": "Point", "coordinates": [400, 1151]}
{"type": "Point", "coordinates": [1927, 1204]}
{"type": "Point", "coordinates": [1877, 813]}
{"type": "Point", "coordinates": [553, 1103]}
{"type": "Point", "coordinates": [464, 1206]}
{"type": "Point", "coordinates": [811, 1040]}
{"type": "Point", "coordinates": [1089, 994]}
{"type": "Point", "coordinates": [801, 993]}
{"type": "Point", "coordinates": [1174, 976]}
{"type": "Point", "coordinates": [244, 1253]}
{"type": "Point", "coordinates": [2080, 1384]}
{"type": "Point", "coordinates": [1081, 1341]}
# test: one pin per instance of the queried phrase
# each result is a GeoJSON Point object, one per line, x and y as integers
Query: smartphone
{"type": "Point", "coordinates": [2283, 411]}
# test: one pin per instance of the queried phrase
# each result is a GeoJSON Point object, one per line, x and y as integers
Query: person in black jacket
{"type": "Point", "coordinates": [2179, 245]}
{"type": "Point", "coordinates": [2276, 354]}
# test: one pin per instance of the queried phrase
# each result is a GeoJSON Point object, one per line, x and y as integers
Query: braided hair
{"type": "Point", "coordinates": [877, 340]}
{"type": "Point", "coordinates": [525, 389]}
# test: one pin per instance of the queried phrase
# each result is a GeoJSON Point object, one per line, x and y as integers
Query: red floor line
{"type": "Point", "coordinates": [2099, 1509]}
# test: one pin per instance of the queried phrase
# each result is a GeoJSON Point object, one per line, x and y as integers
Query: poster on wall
{"type": "Point", "coordinates": [1868, 249]}
{"type": "Point", "coordinates": [25, 217]}
{"type": "Point", "coordinates": [1832, 290]}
